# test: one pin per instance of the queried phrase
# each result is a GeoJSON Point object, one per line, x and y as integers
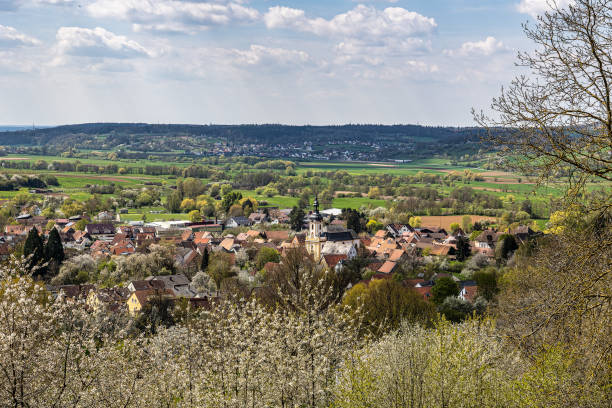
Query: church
{"type": "Point", "coordinates": [322, 241]}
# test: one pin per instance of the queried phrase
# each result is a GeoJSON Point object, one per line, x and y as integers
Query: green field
{"type": "Point", "coordinates": [74, 184]}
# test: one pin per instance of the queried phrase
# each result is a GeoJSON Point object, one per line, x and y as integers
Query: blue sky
{"type": "Point", "coordinates": [256, 61]}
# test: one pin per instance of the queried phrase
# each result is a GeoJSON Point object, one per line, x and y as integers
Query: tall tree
{"type": "Point", "coordinates": [34, 249]}
{"type": "Point", "coordinates": [296, 218]}
{"type": "Point", "coordinates": [463, 248]}
{"type": "Point", "coordinates": [54, 250]}
{"type": "Point", "coordinates": [559, 119]}
{"type": "Point", "coordinates": [205, 259]}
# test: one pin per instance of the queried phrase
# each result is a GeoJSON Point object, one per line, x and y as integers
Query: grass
{"type": "Point", "coordinates": [153, 217]}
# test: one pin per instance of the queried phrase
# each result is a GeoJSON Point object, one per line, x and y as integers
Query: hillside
{"type": "Point", "coordinates": [351, 142]}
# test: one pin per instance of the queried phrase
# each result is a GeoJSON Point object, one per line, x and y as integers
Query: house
{"type": "Point", "coordinates": [139, 285]}
{"type": "Point", "coordinates": [188, 259]}
{"type": "Point", "coordinates": [73, 293]}
{"type": "Point", "coordinates": [397, 255]}
{"type": "Point", "coordinates": [487, 239]}
{"type": "Point", "coordinates": [382, 234]}
{"type": "Point", "coordinates": [299, 240]}
{"type": "Point", "coordinates": [140, 298]}
{"type": "Point", "coordinates": [105, 232]}
{"type": "Point", "coordinates": [16, 229]}
{"type": "Point", "coordinates": [99, 249]}
{"type": "Point", "coordinates": [443, 250]}
{"type": "Point", "coordinates": [107, 299]}
{"type": "Point", "coordinates": [277, 236]}
{"type": "Point", "coordinates": [124, 247]}
{"type": "Point", "coordinates": [106, 216]}
{"type": "Point", "coordinates": [522, 233]}
{"type": "Point", "coordinates": [396, 230]}
{"type": "Point", "coordinates": [469, 291]}
{"type": "Point", "coordinates": [228, 244]}
{"type": "Point", "coordinates": [178, 285]}
{"type": "Point", "coordinates": [331, 261]}
{"type": "Point", "coordinates": [388, 267]}
{"type": "Point", "coordinates": [258, 218]}
{"type": "Point", "coordinates": [236, 222]}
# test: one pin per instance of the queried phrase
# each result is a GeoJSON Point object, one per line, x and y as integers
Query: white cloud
{"type": "Point", "coordinates": [172, 15]}
{"type": "Point", "coordinates": [96, 43]}
{"type": "Point", "coordinates": [362, 21]}
{"type": "Point", "coordinates": [537, 7]}
{"type": "Point", "coordinates": [486, 47]}
{"type": "Point", "coordinates": [10, 37]}
{"type": "Point", "coordinates": [259, 54]}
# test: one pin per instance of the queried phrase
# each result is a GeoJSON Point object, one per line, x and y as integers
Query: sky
{"type": "Point", "coordinates": [257, 61]}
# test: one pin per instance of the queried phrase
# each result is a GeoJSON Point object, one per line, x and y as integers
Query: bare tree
{"type": "Point", "coordinates": [558, 120]}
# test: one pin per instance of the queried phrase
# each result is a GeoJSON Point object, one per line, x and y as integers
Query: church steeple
{"type": "Point", "coordinates": [313, 238]}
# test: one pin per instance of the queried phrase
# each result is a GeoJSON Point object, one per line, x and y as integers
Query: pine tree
{"type": "Point", "coordinates": [54, 250]}
{"type": "Point", "coordinates": [33, 248]}
{"type": "Point", "coordinates": [205, 258]}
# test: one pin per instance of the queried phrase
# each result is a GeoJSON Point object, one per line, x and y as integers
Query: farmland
{"type": "Point", "coordinates": [356, 185]}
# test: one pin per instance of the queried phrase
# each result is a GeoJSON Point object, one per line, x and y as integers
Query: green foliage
{"type": "Point", "coordinates": [354, 220]}
{"type": "Point", "coordinates": [157, 312]}
{"type": "Point", "coordinates": [195, 216]}
{"type": "Point", "coordinates": [464, 249]}
{"type": "Point", "coordinates": [266, 255]}
{"type": "Point", "coordinates": [220, 268]}
{"type": "Point", "coordinates": [296, 218]}
{"type": "Point", "coordinates": [487, 282]}
{"type": "Point", "coordinates": [33, 248]}
{"type": "Point", "coordinates": [506, 245]}
{"type": "Point", "coordinates": [205, 260]}
{"type": "Point", "coordinates": [173, 202]}
{"type": "Point", "coordinates": [230, 199]}
{"type": "Point", "coordinates": [443, 288]}
{"type": "Point", "coordinates": [54, 250]}
{"type": "Point", "coordinates": [384, 303]}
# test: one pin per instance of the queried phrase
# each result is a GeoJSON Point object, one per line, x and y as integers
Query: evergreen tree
{"type": "Point", "coordinates": [54, 250]}
{"type": "Point", "coordinates": [463, 248]}
{"type": "Point", "coordinates": [296, 218]}
{"type": "Point", "coordinates": [205, 259]}
{"type": "Point", "coordinates": [33, 248]}
{"type": "Point", "coordinates": [354, 220]}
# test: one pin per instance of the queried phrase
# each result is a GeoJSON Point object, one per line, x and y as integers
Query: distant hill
{"type": "Point", "coordinates": [345, 142]}
{"type": "Point", "coordinates": [265, 134]}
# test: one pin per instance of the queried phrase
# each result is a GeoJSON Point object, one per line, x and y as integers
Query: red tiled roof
{"type": "Point", "coordinates": [387, 267]}
{"type": "Point", "coordinates": [332, 260]}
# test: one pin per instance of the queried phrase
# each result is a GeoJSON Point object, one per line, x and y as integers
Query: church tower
{"type": "Point", "coordinates": [313, 238]}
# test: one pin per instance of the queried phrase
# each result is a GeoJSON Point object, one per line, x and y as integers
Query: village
{"type": "Point", "coordinates": [253, 245]}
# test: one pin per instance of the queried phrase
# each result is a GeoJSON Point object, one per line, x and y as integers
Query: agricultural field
{"type": "Point", "coordinates": [437, 174]}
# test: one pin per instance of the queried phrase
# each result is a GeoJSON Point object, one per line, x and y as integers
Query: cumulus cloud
{"type": "Point", "coordinates": [486, 47]}
{"type": "Point", "coordinates": [96, 43]}
{"type": "Point", "coordinates": [173, 15]}
{"type": "Point", "coordinates": [362, 21]}
{"type": "Point", "coordinates": [537, 7]}
{"type": "Point", "coordinates": [10, 37]}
